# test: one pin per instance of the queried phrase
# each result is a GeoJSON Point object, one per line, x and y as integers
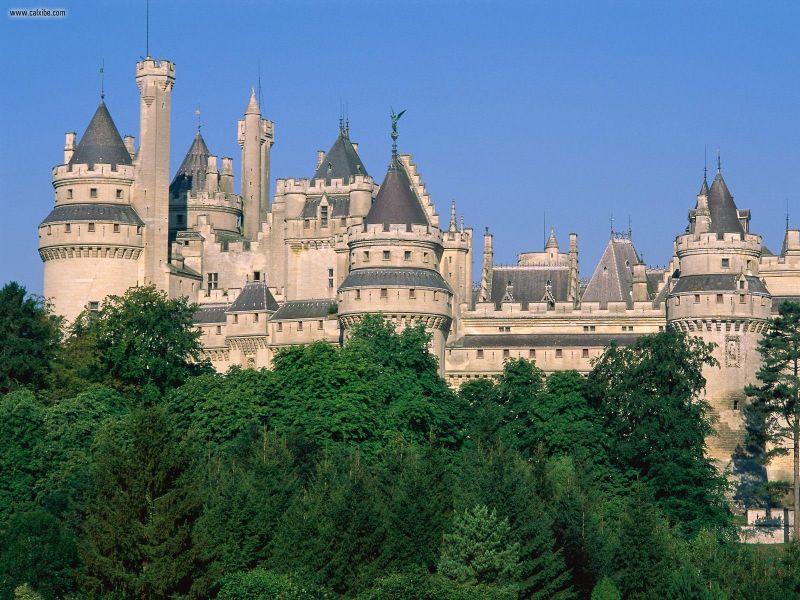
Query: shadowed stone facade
{"type": "Point", "coordinates": [308, 263]}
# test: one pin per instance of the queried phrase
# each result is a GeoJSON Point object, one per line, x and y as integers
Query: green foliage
{"type": "Point", "coordinates": [29, 337]}
{"type": "Point", "coordinates": [647, 398]}
{"type": "Point", "coordinates": [22, 436]}
{"type": "Point", "coordinates": [34, 547]}
{"type": "Point", "coordinates": [479, 550]}
{"type": "Point", "coordinates": [24, 592]}
{"type": "Point", "coordinates": [424, 586]}
{"type": "Point", "coordinates": [606, 590]}
{"type": "Point", "coordinates": [146, 340]}
{"type": "Point", "coordinates": [137, 532]}
{"type": "Point", "coordinates": [260, 584]}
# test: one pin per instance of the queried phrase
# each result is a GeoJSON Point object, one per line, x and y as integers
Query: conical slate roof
{"type": "Point", "coordinates": [191, 175]}
{"type": "Point", "coordinates": [341, 161]}
{"type": "Point", "coordinates": [101, 142]}
{"type": "Point", "coordinates": [396, 202]}
{"type": "Point", "coordinates": [552, 242]}
{"type": "Point", "coordinates": [612, 280]}
{"type": "Point", "coordinates": [724, 218]}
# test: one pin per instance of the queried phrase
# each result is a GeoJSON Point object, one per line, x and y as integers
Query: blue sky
{"type": "Point", "coordinates": [523, 112]}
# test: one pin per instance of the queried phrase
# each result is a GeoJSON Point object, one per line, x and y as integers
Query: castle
{"type": "Point", "coordinates": [308, 263]}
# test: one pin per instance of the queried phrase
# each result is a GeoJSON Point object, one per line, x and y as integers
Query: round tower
{"type": "Point", "coordinates": [716, 295]}
{"type": "Point", "coordinates": [394, 256]}
{"type": "Point", "coordinates": [92, 240]}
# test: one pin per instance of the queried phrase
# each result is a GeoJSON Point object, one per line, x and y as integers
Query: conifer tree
{"type": "Point", "coordinates": [777, 399]}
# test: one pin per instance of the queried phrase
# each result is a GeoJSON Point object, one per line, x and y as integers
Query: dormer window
{"type": "Point", "coordinates": [741, 284]}
{"type": "Point", "coordinates": [92, 192]}
{"type": "Point", "coordinates": [323, 216]}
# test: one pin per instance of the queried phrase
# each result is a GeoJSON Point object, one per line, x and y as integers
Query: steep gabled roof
{"type": "Point", "coordinates": [724, 218]}
{"type": "Point", "coordinates": [529, 284]}
{"type": "Point", "coordinates": [191, 175]}
{"type": "Point", "coordinates": [341, 161]}
{"type": "Point", "coordinates": [612, 280]}
{"type": "Point", "coordinates": [396, 202]}
{"type": "Point", "coordinates": [101, 142]}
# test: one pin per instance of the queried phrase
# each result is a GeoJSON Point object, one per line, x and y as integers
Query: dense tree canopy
{"type": "Point", "coordinates": [129, 470]}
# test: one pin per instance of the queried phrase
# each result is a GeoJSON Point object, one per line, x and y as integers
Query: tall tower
{"type": "Point", "coordinates": [719, 297]}
{"type": "Point", "coordinates": [151, 197]}
{"type": "Point", "coordinates": [256, 136]}
{"type": "Point", "coordinates": [91, 242]}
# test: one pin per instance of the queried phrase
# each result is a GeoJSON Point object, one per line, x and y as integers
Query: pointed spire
{"type": "Point", "coordinates": [101, 142]}
{"type": "Point", "coordinates": [252, 105]}
{"type": "Point", "coordinates": [453, 221]}
{"type": "Point", "coordinates": [552, 242]}
{"type": "Point", "coordinates": [719, 166]}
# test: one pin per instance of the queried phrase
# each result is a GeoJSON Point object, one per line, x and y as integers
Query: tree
{"type": "Point", "coordinates": [260, 584]}
{"type": "Point", "coordinates": [656, 424]}
{"type": "Point", "coordinates": [146, 340]}
{"type": "Point", "coordinates": [29, 338]}
{"type": "Point", "coordinates": [479, 550]}
{"type": "Point", "coordinates": [24, 592]}
{"type": "Point", "coordinates": [517, 391]}
{"type": "Point", "coordinates": [424, 586]}
{"type": "Point", "coordinates": [137, 532]}
{"type": "Point", "coordinates": [606, 590]}
{"type": "Point", "coordinates": [778, 397]}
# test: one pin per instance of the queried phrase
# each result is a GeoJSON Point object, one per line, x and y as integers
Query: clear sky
{"type": "Point", "coordinates": [523, 112]}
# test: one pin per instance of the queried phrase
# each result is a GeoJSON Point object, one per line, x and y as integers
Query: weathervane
{"type": "Point", "coordinates": [395, 118]}
{"type": "Point", "coordinates": [197, 114]}
{"type": "Point", "coordinates": [103, 80]}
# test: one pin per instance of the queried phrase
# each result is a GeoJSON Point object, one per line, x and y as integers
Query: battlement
{"type": "Point", "coordinates": [544, 310]}
{"type": "Point", "coordinates": [150, 67]}
{"type": "Point", "coordinates": [304, 185]}
{"type": "Point", "coordinates": [66, 173]}
{"type": "Point", "coordinates": [727, 242]}
{"type": "Point", "coordinates": [363, 232]}
{"type": "Point", "coordinates": [204, 199]}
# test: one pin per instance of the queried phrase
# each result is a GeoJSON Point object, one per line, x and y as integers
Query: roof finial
{"type": "Point", "coordinates": [453, 220]}
{"type": "Point", "coordinates": [199, 122]}
{"type": "Point", "coordinates": [705, 163]}
{"type": "Point", "coordinates": [395, 118]}
{"type": "Point", "coordinates": [103, 80]}
{"type": "Point", "coordinates": [147, 29]}
{"type": "Point", "coordinates": [630, 231]}
{"type": "Point", "coordinates": [787, 214]}
{"type": "Point", "coordinates": [719, 163]}
{"type": "Point", "coordinates": [612, 225]}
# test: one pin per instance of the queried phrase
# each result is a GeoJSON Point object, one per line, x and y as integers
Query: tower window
{"type": "Point", "coordinates": [726, 263]}
{"type": "Point", "coordinates": [69, 193]}
{"type": "Point", "coordinates": [506, 353]}
{"type": "Point", "coordinates": [532, 353]}
{"type": "Point", "coordinates": [719, 299]}
{"type": "Point", "coordinates": [212, 281]}
{"type": "Point", "coordinates": [320, 324]}
{"type": "Point", "coordinates": [256, 275]}
{"type": "Point", "coordinates": [559, 353]}
{"type": "Point", "coordinates": [735, 405]}
{"type": "Point", "coordinates": [91, 226]}
{"type": "Point", "coordinates": [697, 298]}
{"type": "Point", "coordinates": [585, 353]}
{"type": "Point", "coordinates": [278, 326]}
{"type": "Point", "coordinates": [138, 230]}
{"type": "Point", "coordinates": [119, 194]}
{"type": "Point", "coordinates": [330, 279]}
{"type": "Point", "coordinates": [407, 255]}
{"type": "Point", "coordinates": [386, 255]}
{"type": "Point", "coordinates": [49, 230]}
{"type": "Point", "coordinates": [366, 256]}
{"type": "Point", "coordinates": [116, 227]}
{"type": "Point", "coordinates": [93, 306]}
{"type": "Point", "coordinates": [92, 192]}
{"type": "Point", "coordinates": [412, 293]}
{"type": "Point", "coordinates": [742, 298]}
{"type": "Point", "coordinates": [425, 257]}
{"type": "Point", "coordinates": [306, 224]}
{"type": "Point", "coordinates": [384, 293]}
{"type": "Point", "coordinates": [235, 319]}
{"type": "Point", "coordinates": [358, 294]}
{"type": "Point", "coordinates": [479, 354]}
{"type": "Point", "coordinates": [67, 228]}
{"type": "Point", "coordinates": [299, 326]}
{"type": "Point", "coordinates": [741, 284]}
{"type": "Point", "coordinates": [323, 216]}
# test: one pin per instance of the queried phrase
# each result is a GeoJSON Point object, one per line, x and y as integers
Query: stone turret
{"type": "Point", "coordinates": [718, 296]}
{"type": "Point", "coordinates": [92, 240]}
{"type": "Point", "coordinates": [256, 137]}
{"type": "Point", "coordinates": [394, 258]}
{"type": "Point", "coordinates": [151, 199]}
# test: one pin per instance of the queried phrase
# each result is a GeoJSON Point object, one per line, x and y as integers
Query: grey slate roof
{"type": "Point", "coordinates": [294, 310]}
{"type": "Point", "coordinates": [547, 340]}
{"type": "Point", "coordinates": [778, 300]}
{"type": "Point", "coordinates": [191, 175]}
{"type": "Point", "coordinates": [341, 161]}
{"type": "Point", "coordinates": [613, 277]}
{"type": "Point", "coordinates": [254, 297]}
{"type": "Point", "coordinates": [210, 313]}
{"type": "Point", "coordinates": [396, 202]}
{"type": "Point", "coordinates": [339, 206]}
{"type": "Point", "coordinates": [724, 218]}
{"type": "Point", "coordinates": [528, 284]}
{"type": "Point", "coordinates": [101, 142]}
{"type": "Point", "coordinates": [716, 283]}
{"type": "Point", "coordinates": [394, 277]}
{"type": "Point", "coordinates": [655, 278]}
{"type": "Point", "coordinates": [110, 213]}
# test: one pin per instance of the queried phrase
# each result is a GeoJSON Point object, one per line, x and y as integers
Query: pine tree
{"type": "Point", "coordinates": [606, 590]}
